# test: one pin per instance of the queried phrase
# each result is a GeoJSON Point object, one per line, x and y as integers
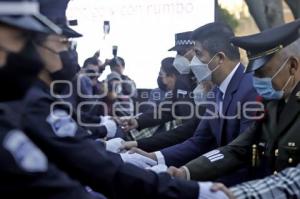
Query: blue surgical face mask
{"type": "Point", "coordinates": [264, 86]}
{"type": "Point", "coordinates": [201, 70]}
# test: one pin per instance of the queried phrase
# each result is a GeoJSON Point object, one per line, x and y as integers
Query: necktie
{"type": "Point", "coordinates": [219, 100]}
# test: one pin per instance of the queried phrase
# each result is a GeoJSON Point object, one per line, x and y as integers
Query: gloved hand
{"type": "Point", "coordinates": [114, 145]}
{"type": "Point", "coordinates": [137, 160]}
{"type": "Point", "coordinates": [160, 168]}
{"type": "Point", "coordinates": [110, 125]}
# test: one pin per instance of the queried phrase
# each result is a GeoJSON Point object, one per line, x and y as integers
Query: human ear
{"type": "Point", "coordinates": [294, 65]}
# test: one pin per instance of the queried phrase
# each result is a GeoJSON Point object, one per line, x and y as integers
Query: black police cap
{"type": "Point", "coordinates": [183, 40]}
{"type": "Point", "coordinates": [26, 15]}
{"type": "Point", "coordinates": [262, 46]}
{"type": "Point", "coordinates": [55, 10]}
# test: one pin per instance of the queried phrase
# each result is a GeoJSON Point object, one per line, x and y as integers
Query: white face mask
{"type": "Point", "coordinates": [199, 93]}
{"type": "Point", "coordinates": [182, 64]}
{"type": "Point", "coordinates": [201, 70]}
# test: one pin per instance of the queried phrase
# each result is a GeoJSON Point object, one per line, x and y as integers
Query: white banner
{"type": "Point", "coordinates": [142, 29]}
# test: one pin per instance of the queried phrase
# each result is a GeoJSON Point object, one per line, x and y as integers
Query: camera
{"type": "Point", "coordinates": [115, 51]}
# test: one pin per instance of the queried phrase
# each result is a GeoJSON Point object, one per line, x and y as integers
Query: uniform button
{"type": "Point", "coordinates": [290, 160]}
{"type": "Point", "coordinates": [275, 172]}
{"type": "Point", "coordinates": [291, 144]}
{"type": "Point", "coordinates": [263, 153]}
{"type": "Point", "coordinates": [276, 152]}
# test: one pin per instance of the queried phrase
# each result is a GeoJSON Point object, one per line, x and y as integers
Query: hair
{"type": "Point", "coordinates": [97, 54]}
{"type": "Point", "coordinates": [215, 37]}
{"type": "Point", "coordinates": [168, 67]}
{"type": "Point", "coordinates": [115, 62]}
{"type": "Point", "coordinates": [90, 61]}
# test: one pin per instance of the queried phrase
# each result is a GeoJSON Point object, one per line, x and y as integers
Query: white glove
{"type": "Point", "coordinates": [160, 168]}
{"type": "Point", "coordinates": [110, 125]}
{"type": "Point", "coordinates": [114, 145]}
{"type": "Point", "coordinates": [206, 193]}
{"type": "Point", "coordinates": [138, 160]}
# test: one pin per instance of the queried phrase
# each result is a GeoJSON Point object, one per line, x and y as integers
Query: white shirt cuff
{"type": "Point", "coordinates": [187, 172]}
{"type": "Point", "coordinates": [160, 158]}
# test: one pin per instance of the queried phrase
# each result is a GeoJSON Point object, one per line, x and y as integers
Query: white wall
{"type": "Point", "coordinates": [143, 29]}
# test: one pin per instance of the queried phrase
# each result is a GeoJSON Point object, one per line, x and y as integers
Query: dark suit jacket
{"type": "Point", "coordinates": [212, 133]}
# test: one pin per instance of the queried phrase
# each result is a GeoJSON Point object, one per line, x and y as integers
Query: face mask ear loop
{"type": "Point", "coordinates": [286, 84]}
{"type": "Point", "coordinates": [218, 66]}
{"type": "Point", "coordinates": [280, 68]}
{"type": "Point", "coordinates": [212, 58]}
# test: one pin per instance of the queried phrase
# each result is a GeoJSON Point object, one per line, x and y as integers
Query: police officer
{"type": "Point", "coordinates": [182, 93]}
{"type": "Point", "coordinates": [272, 143]}
{"type": "Point", "coordinates": [65, 142]}
{"type": "Point", "coordinates": [25, 171]}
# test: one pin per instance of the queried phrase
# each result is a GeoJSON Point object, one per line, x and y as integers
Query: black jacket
{"type": "Point", "coordinates": [66, 144]}
{"type": "Point", "coordinates": [169, 138]}
{"type": "Point", "coordinates": [25, 171]}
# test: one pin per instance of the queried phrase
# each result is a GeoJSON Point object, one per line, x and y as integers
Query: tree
{"type": "Point", "coordinates": [269, 13]}
{"type": "Point", "coordinates": [295, 7]}
{"type": "Point", "coordinates": [222, 15]}
{"type": "Point", "coordinates": [266, 13]}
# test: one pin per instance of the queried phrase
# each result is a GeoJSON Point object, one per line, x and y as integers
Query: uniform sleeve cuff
{"type": "Point", "coordinates": [160, 158]}
{"type": "Point", "coordinates": [187, 172]}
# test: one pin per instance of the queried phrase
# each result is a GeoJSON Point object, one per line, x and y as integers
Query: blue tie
{"type": "Point", "coordinates": [219, 100]}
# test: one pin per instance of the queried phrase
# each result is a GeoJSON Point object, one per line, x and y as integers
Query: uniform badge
{"type": "Point", "coordinates": [26, 154]}
{"type": "Point", "coordinates": [62, 124]}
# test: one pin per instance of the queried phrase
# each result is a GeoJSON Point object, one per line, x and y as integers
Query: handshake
{"type": "Point", "coordinates": [111, 124]}
{"type": "Point", "coordinates": [132, 155]}
{"type": "Point", "coordinates": [127, 123]}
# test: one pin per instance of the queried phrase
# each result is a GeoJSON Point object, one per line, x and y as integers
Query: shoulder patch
{"type": "Point", "coordinates": [26, 154]}
{"type": "Point", "coordinates": [62, 123]}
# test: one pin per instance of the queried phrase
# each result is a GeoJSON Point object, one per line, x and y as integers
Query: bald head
{"type": "Point", "coordinates": [293, 49]}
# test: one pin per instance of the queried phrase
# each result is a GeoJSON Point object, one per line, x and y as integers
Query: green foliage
{"type": "Point", "coordinates": [224, 16]}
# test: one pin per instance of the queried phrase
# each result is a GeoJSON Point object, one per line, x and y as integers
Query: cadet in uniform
{"type": "Point", "coordinates": [65, 142]}
{"type": "Point", "coordinates": [182, 92]}
{"type": "Point", "coordinates": [272, 143]}
{"type": "Point", "coordinates": [25, 171]}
